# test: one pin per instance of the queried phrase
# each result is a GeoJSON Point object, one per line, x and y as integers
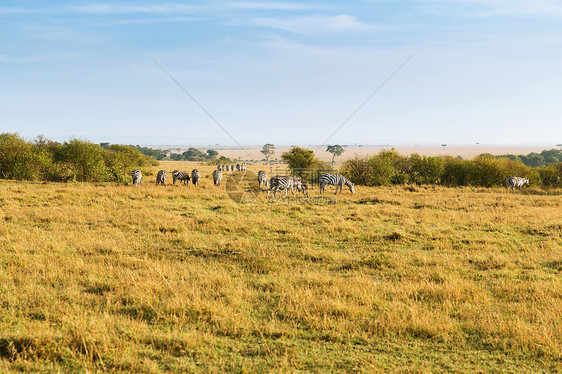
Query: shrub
{"type": "Point", "coordinates": [17, 159]}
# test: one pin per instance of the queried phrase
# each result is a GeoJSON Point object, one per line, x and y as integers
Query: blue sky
{"type": "Point", "coordinates": [285, 72]}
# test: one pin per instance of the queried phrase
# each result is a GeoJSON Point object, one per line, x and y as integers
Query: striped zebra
{"type": "Point", "coordinates": [161, 177]}
{"type": "Point", "coordinates": [195, 175]}
{"type": "Point", "coordinates": [223, 168]}
{"type": "Point", "coordinates": [262, 178]}
{"type": "Point", "coordinates": [182, 176]}
{"type": "Point", "coordinates": [517, 182]}
{"type": "Point", "coordinates": [137, 177]}
{"type": "Point", "coordinates": [218, 167]}
{"type": "Point", "coordinates": [335, 180]}
{"type": "Point", "coordinates": [237, 167]}
{"type": "Point", "coordinates": [217, 176]}
{"type": "Point", "coordinates": [243, 167]}
{"type": "Point", "coordinates": [232, 167]}
{"type": "Point", "coordinates": [287, 183]}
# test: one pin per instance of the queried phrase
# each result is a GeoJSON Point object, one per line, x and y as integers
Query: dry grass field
{"type": "Point", "coordinates": [115, 278]}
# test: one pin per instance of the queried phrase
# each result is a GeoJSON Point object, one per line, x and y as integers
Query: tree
{"type": "Point", "coordinates": [335, 150]}
{"type": "Point", "coordinates": [303, 163]}
{"type": "Point", "coordinates": [212, 154]}
{"type": "Point", "coordinates": [268, 150]}
{"type": "Point", "coordinates": [443, 145]}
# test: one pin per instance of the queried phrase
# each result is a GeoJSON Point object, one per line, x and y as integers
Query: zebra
{"type": "Point", "coordinates": [335, 180]}
{"type": "Point", "coordinates": [237, 167]}
{"type": "Point", "coordinates": [223, 168]}
{"type": "Point", "coordinates": [137, 177]}
{"type": "Point", "coordinates": [182, 176]}
{"type": "Point", "coordinates": [218, 167]}
{"type": "Point", "coordinates": [517, 182]}
{"type": "Point", "coordinates": [231, 167]}
{"type": "Point", "coordinates": [195, 175]}
{"type": "Point", "coordinates": [277, 183]}
{"type": "Point", "coordinates": [217, 176]}
{"type": "Point", "coordinates": [161, 177]}
{"type": "Point", "coordinates": [304, 189]}
{"type": "Point", "coordinates": [262, 178]}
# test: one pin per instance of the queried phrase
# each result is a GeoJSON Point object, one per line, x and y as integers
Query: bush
{"type": "Point", "coordinates": [76, 159]}
{"type": "Point", "coordinates": [17, 159]}
{"type": "Point", "coordinates": [304, 164]}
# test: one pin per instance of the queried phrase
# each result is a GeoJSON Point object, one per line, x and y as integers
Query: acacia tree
{"type": "Point", "coordinates": [335, 150]}
{"type": "Point", "coordinates": [268, 150]}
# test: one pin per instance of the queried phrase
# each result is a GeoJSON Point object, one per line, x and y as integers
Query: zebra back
{"type": "Point", "coordinates": [195, 175]}
{"type": "Point", "coordinates": [161, 177]}
{"type": "Point", "coordinates": [217, 176]}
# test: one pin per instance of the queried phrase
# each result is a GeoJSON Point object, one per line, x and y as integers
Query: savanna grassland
{"type": "Point", "coordinates": [116, 278]}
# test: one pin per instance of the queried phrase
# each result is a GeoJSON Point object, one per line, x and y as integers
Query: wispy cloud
{"type": "Point", "coordinates": [15, 10]}
{"type": "Point", "coordinates": [129, 9]}
{"type": "Point", "coordinates": [541, 8]}
{"type": "Point", "coordinates": [314, 25]}
{"type": "Point", "coordinates": [274, 5]}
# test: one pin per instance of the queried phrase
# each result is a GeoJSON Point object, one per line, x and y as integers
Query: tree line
{"type": "Point", "coordinates": [388, 167]}
{"type": "Point", "coordinates": [76, 159]}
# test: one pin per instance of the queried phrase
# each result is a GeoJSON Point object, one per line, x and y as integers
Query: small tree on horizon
{"type": "Point", "coordinates": [268, 150]}
{"type": "Point", "coordinates": [335, 150]}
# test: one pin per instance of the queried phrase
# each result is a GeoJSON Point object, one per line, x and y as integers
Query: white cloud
{"type": "Point", "coordinates": [124, 9]}
{"type": "Point", "coordinates": [314, 25]}
{"type": "Point", "coordinates": [542, 8]}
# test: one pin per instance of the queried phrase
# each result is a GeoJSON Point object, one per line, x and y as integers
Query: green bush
{"type": "Point", "coordinates": [76, 159]}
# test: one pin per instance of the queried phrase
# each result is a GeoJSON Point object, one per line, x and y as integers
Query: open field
{"type": "Point", "coordinates": [155, 279]}
{"type": "Point", "coordinates": [466, 152]}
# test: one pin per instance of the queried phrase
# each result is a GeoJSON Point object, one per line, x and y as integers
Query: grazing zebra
{"type": "Point", "coordinates": [304, 189]}
{"type": "Point", "coordinates": [223, 167]}
{"type": "Point", "coordinates": [262, 178]}
{"type": "Point", "coordinates": [182, 176]}
{"type": "Point", "coordinates": [517, 182]}
{"type": "Point", "coordinates": [277, 183]}
{"type": "Point", "coordinates": [137, 177]}
{"type": "Point", "coordinates": [237, 167]}
{"type": "Point", "coordinates": [161, 177]}
{"type": "Point", "coordinates": [218, 167]}
{"type": "Point", "coordinates": [195, 175]}
{"type": "Point", "coordinates": [335, 180]}
{"type": "Point", "coordinates": [217, 176]}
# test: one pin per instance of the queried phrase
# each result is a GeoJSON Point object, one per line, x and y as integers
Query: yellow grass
{"type": "Point", "coordinates": [104, 277]}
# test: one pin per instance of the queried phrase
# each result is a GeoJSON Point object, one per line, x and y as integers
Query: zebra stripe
{"type": "Point", "coordinates": [277, 183]}
{"type": "Point", "coordinates": [217, 176]}
{"type": "Point", "coordinates": [335, 180]}
{"type": "Point", "coordinates": [262, 178]}
{"type": "Point", "coordinates": [161, 177]}
{"type": "Point", "coordinates": [182, 176]}
{"type": "Point", "coordinates": [237, 167]}
{"type": "Point", "coordinates": [517, 182]}
{"type": "Point", "coordinates": [137, 177]}
{"type": "Point", "coordinates": [195, 175]}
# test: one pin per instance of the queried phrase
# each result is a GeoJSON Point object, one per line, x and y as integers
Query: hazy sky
{"type": "Point", "coordinates": [285, 72]}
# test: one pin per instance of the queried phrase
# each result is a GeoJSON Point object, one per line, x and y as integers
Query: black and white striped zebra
{"type": "Point", "coordinates": [262, 178]}
{"type": "Point", "coordinates": [286, 183]}
{"type": "Point", "coordinates": [517, 182]}
{"type": "Point", "coordinates": [237, 167]}
{"type": "Point", "coordinates": [195, 176]}
{"type": "Point", "coordinates": [243, 167]}
{"type": "Point", "coordinates": [137, 177]}
{"type": "Point", "coordinates": [161, 177]}
{"type": "Point", "coordinates": [232, 168]}
{"type": "Point", "coordinates": [182, 176]}
{"type": "Point", "coordinates": [335, 180]}
{"type": "Point", "coordinates": [223, 168]}
{"type": "Point", "coordinates": [217, 176]}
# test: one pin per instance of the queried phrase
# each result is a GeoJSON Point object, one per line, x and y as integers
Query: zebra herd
{"type": "Point", "coordinates": [277, 183]}
{"type": "Point", "coordinates": [237, 167]}
{"type": "Point", "coordinates": [177, 175]}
